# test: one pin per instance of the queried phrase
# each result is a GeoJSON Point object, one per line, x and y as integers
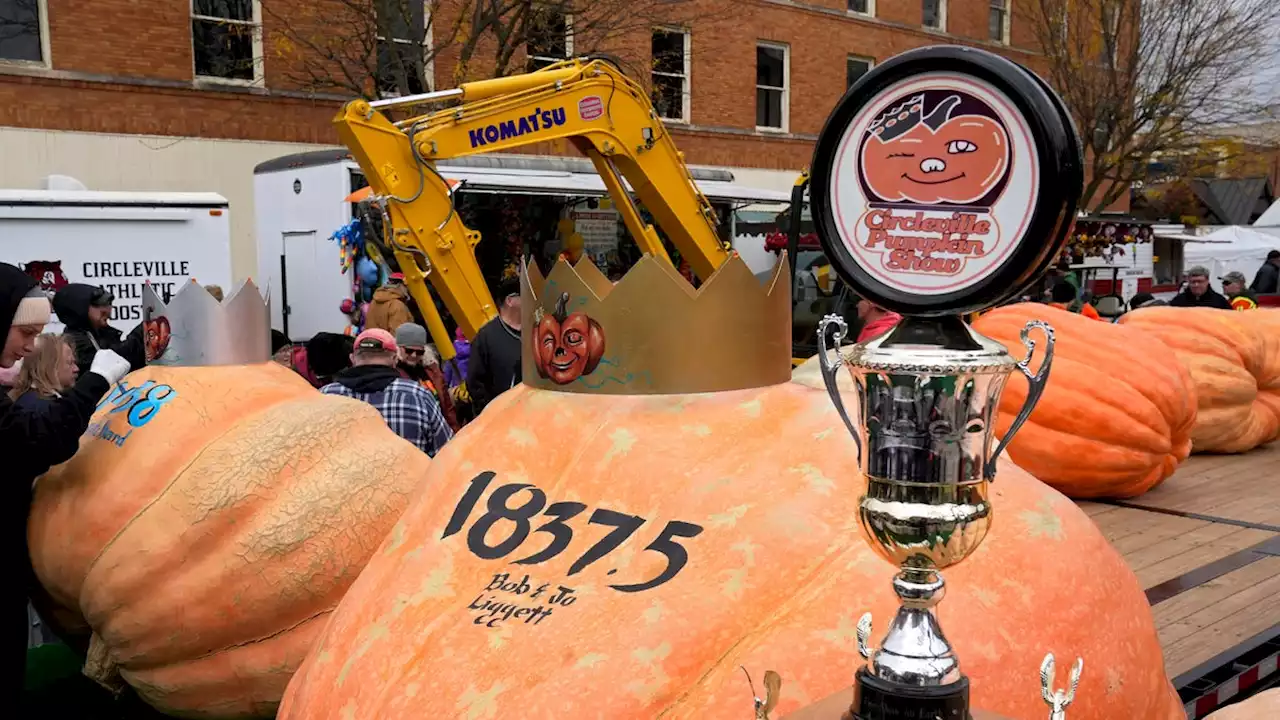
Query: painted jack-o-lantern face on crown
{"type": "Point", "coordinates": [934, 158]}
{"type": "Point", "coordinates": [157, 337]}
{"type": "Point", "coordinates": [566, 347]}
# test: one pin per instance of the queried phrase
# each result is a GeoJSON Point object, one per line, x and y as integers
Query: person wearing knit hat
{"type": "Point", "coordinates": [418, 362]}
{"type": "Point", "coordinates": [30, 313]}
{"type": "Point", "coordinates": [32, 441]}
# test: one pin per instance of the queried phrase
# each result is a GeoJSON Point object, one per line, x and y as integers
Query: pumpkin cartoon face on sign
{"type": "Point", "coordinates": [567, 346]}
{"type": "Point", "coordinates": [949, 155]}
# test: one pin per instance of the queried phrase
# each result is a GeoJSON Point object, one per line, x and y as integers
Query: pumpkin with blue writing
{"type": "Point", "coordinates": [211, 520]}
{"type": "Point", "coordinates": [587, 556]}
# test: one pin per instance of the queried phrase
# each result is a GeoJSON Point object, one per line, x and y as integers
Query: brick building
{"type": "Point", "coordinates": [158, 94]}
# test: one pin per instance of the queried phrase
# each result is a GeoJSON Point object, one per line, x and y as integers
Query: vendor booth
{"type": "Point", "coordinates": [1234, 248]}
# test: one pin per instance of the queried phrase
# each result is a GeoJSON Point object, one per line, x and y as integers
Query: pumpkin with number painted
{"type": "Point", "coordinates": [210, 522]}
{"type": "Point", "coordinates": [1116, 416]}
{"type": "Point", "coordinates": [625, 556]}
{"type": "Point", "coordinates": [1225, 353]}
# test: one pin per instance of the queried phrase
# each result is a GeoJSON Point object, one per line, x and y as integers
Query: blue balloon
{"type": "Point", "coordinates": [367, 271]}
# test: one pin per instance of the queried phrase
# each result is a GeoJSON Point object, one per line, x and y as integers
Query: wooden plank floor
{"type": "Point", "coordinates": [1211, 591]}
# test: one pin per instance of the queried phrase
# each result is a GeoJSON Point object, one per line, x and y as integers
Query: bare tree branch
{"type": "Point", "coordinates": [1152, 79]}
{"type": "Point", "coordinates": [378, 48]}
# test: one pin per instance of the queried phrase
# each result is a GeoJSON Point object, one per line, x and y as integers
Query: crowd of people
{"type": "Point", "coordinates": [42, 416]}
{"type": "Point", "coordinates": [385, 358]}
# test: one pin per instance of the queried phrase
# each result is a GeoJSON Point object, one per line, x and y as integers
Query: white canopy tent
{"type": "Point", "coordinates": [1270, 218]}
{"type": "Point", "coordinates": [1235, 247]}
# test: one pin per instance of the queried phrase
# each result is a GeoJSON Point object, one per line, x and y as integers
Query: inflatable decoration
{"type": "Point", "coordinates": [218, 509]}
{"type": "Point", "coordinates": [1115, 419]}
{"type": "Point", "coordinates": [623, 545]}
{"type": "Point", "coordinates": [1226, 354]}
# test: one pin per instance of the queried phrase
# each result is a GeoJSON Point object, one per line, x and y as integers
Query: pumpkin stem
{"type": "Point", "coordinates": [562, 307]}
{"type": "Point", "coordinates": [100, 668]}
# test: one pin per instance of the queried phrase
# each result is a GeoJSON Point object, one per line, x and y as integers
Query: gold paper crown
{"type": "Point", "coordinates": [194, 329]}
{"type": "Point", "coordinates": [652, 333]}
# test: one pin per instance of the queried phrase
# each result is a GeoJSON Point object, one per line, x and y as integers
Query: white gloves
{"type": "Point", "coordinates": [110, 366]}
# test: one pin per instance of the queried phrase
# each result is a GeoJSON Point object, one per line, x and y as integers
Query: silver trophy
{"type": "Point", "coordinates": [927, 396]}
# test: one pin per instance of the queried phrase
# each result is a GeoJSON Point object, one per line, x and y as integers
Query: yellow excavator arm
{"type": "Point", "coordinates": [607, 117]}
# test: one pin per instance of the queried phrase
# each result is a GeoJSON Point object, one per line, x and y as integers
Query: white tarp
{"type": "Point", "coordinates": [1270, 218]}
{"type": "Point", "coordinates": [1234, 247]}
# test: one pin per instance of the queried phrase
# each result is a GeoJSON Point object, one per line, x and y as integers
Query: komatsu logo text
{"type": "Point", "coordinates": [537, 121]}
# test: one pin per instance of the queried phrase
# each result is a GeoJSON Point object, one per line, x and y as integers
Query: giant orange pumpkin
{"type": "Point", "coordinates": [580, 556]}
{"type": "Point", "coordinates": [211, 520]}
{"type": "Point", "coordinates": [1115, 419]}
{"type": "Point", "coordinates": [1265, 324]}
{"type": "Point", "coordinates": [1224, 354]}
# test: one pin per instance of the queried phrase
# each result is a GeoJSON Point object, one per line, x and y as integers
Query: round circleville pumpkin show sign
{"type": "Point", "coordinates": [945, 181]}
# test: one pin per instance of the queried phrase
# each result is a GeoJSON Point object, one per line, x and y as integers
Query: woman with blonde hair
{"type": "Point", "coordinates": [46, 373]}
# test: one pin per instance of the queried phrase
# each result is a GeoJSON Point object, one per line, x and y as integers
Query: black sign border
{"type": "Point", "coordinates": [1061, 178]}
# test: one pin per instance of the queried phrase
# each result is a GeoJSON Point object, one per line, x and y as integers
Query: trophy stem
{"type": "Point", "coordinates": [916, 652]}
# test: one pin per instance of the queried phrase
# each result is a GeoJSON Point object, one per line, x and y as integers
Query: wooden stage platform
{"type": "Point", "coordinates": [1206, 546]}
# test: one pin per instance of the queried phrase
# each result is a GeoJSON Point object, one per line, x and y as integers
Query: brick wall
{"type": "Point", "coordinates": [125, 66]}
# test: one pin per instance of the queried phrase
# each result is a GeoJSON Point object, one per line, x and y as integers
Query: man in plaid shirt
{"type": "Point", "coordinates": [409, 409]}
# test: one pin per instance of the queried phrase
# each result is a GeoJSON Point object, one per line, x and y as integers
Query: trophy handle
{"type": "Point", "coordinates": [1035, 387]}
{"type": "Point", "coordinates": [829, 368]}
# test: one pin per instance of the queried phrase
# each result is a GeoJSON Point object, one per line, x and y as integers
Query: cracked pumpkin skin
{"type": "Point", "coordinates": [776, 580]}
{"type": "Point", "coordinates": [206, 553]}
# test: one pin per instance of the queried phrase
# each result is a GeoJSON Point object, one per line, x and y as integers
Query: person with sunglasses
{"type": "Point", "coordinates": [418, 362]}
{"type": "Point", "coordinates": [85, 312]}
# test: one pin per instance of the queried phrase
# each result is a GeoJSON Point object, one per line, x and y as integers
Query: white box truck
{"type": "Point", "coordinates": [64, 234]}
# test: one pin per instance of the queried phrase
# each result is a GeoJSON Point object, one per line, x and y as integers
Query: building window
{"type": "Point", "coordinates": [24, 32]}
{"type": "Point", "coordinates": [862, 7]}
{"type": "Point", "coordinates": [404, 39]}
{"type": "Point", "coordinates": [671, 74]}
{"type": "Point", "coordinates": [998, 21]}
{"type": "Point", "coordinates": [935, 14]}
{"type": "Point", "coordinates": [855, 67]}
{"type": "Point", "coordinates": [226, 39]}
{"type": "Point", "coordinates": [550, 37]}
{"type": "Point", "coordinates": [772, 76]}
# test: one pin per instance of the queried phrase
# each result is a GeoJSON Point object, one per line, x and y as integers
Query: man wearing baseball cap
{"type": "Point", "coordinates": [411, 411]}
{"type": "Point", "coordinates": [1241, 297]}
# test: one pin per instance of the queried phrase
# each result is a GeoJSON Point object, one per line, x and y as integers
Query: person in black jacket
{"type": "Point", "coordinates": [30, 443]}
{"type": "Point", "coordinates": [85, 311]}
{"type": "Point", "coordinates": [495, 353]}
{"type": "Point", "coordinates": [1267, 280]}
{"type": "Point", "coordinates": [1198, 292]}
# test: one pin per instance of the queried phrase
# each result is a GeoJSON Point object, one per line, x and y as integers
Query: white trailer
{"type": "Point", "coordinates": [300, 201]}
{"type": "Point", "coordinates": [118, 240]}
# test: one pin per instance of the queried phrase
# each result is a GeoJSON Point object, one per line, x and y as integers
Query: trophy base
{"type": "Point", "coordinates": [876, 699]}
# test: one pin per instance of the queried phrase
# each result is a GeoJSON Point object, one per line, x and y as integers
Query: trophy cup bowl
{"type": "Point", "coordinates": [928, 393]}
